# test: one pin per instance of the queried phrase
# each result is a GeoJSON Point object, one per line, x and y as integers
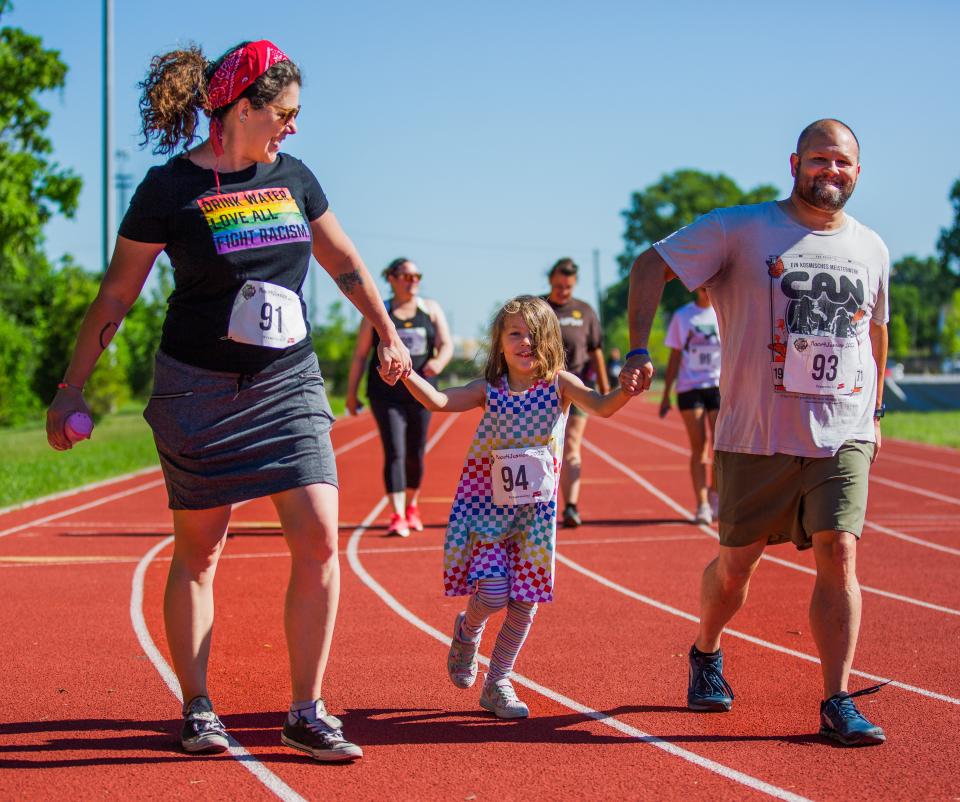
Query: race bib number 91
{"type": "Point", "coordinates": [822, 365]}
{"type": "Point", "coordinates": [267, 315]}
{"type": "Point", "coordinates": [522, 476]}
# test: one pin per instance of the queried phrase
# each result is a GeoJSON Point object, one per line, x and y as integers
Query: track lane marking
{"type": "Point", "coordinates": [690, 617]}
{"type": "Point", "coordinates": [768, 557]}
{"type": "Point", "coordinates": [610, 721]}
{"type": "Point", "coordinates": [270, 780]}
{"type": "Point", "coordinates": [82, 507]}
{"type": "Point", "coordinates": [909, 538]}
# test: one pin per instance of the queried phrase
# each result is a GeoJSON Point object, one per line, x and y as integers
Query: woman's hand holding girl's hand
{"type": "Point", "coordinates": [67, 401]}
{"type": "Point", "coordinates": [395, 360]}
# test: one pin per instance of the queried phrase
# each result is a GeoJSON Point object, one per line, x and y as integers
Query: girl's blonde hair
{"type": "Point", "coordinates": [547, 341]}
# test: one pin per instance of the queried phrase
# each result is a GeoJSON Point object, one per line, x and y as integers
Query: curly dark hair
{"type": "Point", "coordinates": [175, 92]}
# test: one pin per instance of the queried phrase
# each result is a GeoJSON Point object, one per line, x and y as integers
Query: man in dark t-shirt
{"type": "Point", "coordinates": [582, 345]}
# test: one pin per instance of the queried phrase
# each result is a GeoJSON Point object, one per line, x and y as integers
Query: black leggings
{"type": "Point", "coordinates": [403, 433]}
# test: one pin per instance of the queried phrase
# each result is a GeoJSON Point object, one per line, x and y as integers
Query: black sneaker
{"type": "Point", "coordinates": [840, 720]}
{"type": "Point", "coordinates": [322, 739]}
{"type": "Point", "coordinates": [707, 690]}
{"type": "Point", "coordinates": [571, 518]}
{"type": "Point", "coordinates": [202, 730]}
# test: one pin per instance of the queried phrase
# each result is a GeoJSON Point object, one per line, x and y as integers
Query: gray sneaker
{"type": "Point", "coordinates": [501, 699]}
{"type": "Point", "coordinates": [322, 738]}
{"type": "Point", "coordinates": [462, 657]}
{"type": "Point", "coordinates": [202, 731]}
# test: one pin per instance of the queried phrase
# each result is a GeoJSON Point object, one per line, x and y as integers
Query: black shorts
{"type": "Point", "coordinates": [707, 398]}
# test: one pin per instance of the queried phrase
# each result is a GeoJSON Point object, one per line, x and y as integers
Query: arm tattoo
{"type": "Point", "coordinates": [106, 334]}
{"type": "Point", "coordinates": [348, 282]}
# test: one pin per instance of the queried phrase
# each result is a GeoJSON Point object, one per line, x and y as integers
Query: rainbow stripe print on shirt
{"type": "Point", "coordinates": [256, 218]}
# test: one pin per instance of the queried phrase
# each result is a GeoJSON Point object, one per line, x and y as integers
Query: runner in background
{"type": "Point", "coordinates": [401, 419]}
{"type": "Point", "coordinates": [582, 346]}
{"type": "Point", "coordinates": [694, 341]}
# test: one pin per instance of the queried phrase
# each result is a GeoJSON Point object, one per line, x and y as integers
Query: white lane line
{"type": "Point", "coordinates": [689, 616]}
{"type": "Point", "coordinates": [911, 539]}
{"type": "Point", "coordinates": [686, 453]}
{"type": "Point", "coordinates": [768, 557]}
{"type": "Point", "coordinates": [28, 562]}
{"type": "Point", "coordinates": [247, 760]}
{"type": "Point", "coordinates": [922, 463]}
{"type": "Point", "coordinates": [919, 491]}
{"type": "Point", "coordinates": [571, 704]}
{"type": "Point", "coordinates": [81, 507]}
{"type": "Point", "coordinates": [75, 490]}
{"type": "Point", "coordinates": [666, 608]}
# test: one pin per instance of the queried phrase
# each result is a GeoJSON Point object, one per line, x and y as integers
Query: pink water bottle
{"type": "Point", "coordinates": [78, 427]}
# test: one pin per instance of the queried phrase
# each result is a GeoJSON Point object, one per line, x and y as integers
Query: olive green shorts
{"type": "Point", "coordinates": [781, 498]}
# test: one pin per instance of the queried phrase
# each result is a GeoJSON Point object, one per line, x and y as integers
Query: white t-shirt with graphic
{"type": "Point", "coordinates": [695, 333]}
{"type": "Point", "coordinates": [794, 308]}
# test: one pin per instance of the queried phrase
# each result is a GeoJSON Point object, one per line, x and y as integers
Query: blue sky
{"type": "Point", "coordinates": [485, 141]}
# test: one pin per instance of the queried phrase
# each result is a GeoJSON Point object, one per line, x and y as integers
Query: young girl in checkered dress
{"type": "Point", "coordinates": [499, 547]}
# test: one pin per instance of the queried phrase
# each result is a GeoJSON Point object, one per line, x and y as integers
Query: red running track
{"type": "Point", "coordinates": [87, 711]}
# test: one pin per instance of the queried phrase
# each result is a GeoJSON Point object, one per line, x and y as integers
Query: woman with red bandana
{"type": "Point", "coordinates": [238, 409]}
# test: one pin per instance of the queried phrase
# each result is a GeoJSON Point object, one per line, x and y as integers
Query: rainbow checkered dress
{"type": "Point", "coordinates": [485, 540]}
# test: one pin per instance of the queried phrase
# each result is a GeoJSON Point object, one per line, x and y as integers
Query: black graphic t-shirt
{"type": "Point", "coordinates": [580, 329]}
{"type": "Point", "coordinates": [257, 229]}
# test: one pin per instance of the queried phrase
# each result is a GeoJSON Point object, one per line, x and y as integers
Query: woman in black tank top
{"type": "Point", "coordinates": [402, 421]}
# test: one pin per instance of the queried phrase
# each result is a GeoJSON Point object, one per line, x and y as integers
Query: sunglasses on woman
{"type": "Point", "coordinates": [284, 114]}
{"type": "Point", "coordinates": [412, 278]}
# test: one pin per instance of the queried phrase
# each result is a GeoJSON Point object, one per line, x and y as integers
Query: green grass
{"type": "Point", "coordinates": [30, 468]}
{"type": "Point", "coordinates": [121, 443]}
{"type": "Point", "coordinates": [936, 428]}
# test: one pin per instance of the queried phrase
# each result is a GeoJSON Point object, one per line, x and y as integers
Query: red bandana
{"type": "Point", "coordinates": [237, 71]}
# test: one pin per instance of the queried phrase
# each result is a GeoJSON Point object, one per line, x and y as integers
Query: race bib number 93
{"type": "Point", "coordinates": [822, 365]}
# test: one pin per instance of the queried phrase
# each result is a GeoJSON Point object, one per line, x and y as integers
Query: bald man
{"type": "Point", "coordinates": [800, 290]}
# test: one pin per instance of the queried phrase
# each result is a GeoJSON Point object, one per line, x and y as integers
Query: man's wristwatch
{"type": "Point", "coordinates": [879, 412]}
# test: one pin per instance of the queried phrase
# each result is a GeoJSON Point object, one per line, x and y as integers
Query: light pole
{"type": "Point", "coordinates": [108, 216]}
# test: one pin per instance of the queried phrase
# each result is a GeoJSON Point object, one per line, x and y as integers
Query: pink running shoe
{"type": "Point", "coordinates": [413, 518]}
{"type": "Point", "coordinates": [398, 525]}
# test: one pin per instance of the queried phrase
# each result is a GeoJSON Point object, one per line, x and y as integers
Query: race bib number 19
{"type": "Point", "coordinates": [267, 315]}
{"type": "Point", "coordinates": [522, 476]}
{"type": "Point", "coordinates": [822, 365]}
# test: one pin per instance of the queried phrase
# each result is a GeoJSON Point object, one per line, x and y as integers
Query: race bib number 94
{"type": "Point", "coordinates": [522, 476]}
{"type": "Point", "coordinates": [822, 365]}
{"type": "Point", "coordinates": [267, 315]}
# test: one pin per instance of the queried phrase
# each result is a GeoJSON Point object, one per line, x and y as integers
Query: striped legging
{"type": "Point", "coordinates": [493, 595]}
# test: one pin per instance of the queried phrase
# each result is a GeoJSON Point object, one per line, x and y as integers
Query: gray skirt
{"type": "Point", "coordinates": [224, 438]}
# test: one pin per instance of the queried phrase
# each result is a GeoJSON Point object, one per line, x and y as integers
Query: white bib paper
{"type": "Point", "coordinates": [705, 356]}
{"type": "Point", "coordinates": [415, 339]}
{"type": "Point", "coordinates": [821, 364]}
{"type": "Point", "coordinates": [522, 476]}
{"type": "Point", "coordinates": [267, 315]}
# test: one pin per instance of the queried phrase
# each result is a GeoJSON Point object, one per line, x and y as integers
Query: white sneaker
{"type": "Point", "coordinates": [501, 699]}
{"type": "Point", "coordinates": [714, 497]}
{"type": "Point", "coordinates": [704, 514]}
